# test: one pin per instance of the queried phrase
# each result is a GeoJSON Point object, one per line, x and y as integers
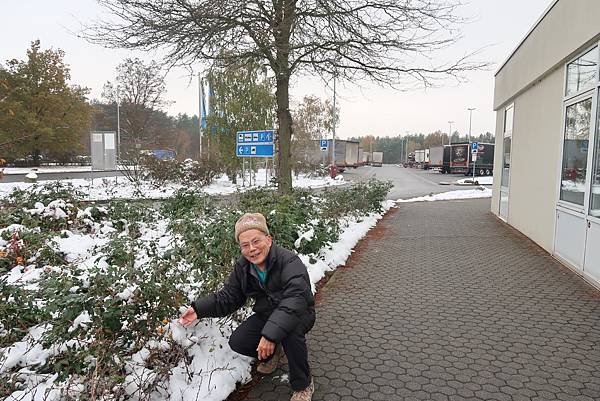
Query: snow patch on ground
{"type": "Point", "coordinates": [47, 169]}
{"type": "Point", "coordinates": [480, 192]}
{"type": "Point", "coordinates": [121, 188]}
{"type": "Point", "coordinates": [480, 180]}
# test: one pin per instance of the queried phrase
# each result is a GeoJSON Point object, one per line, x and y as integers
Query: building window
{"type": "Point", "coordinates": [595, 197]}
{"type": "Point", "coordinates": [575, 151]}
{"type": "Point", "coordinates": [507, 145]}
{"type": "Point", "coordinates": [581, 73]}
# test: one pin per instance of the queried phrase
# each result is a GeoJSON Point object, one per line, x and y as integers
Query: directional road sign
{"type": "Point", "coordinates": [259, 150]}
{"type": "Point", "coordinates": [258, 137]}
{"type": "Point", "coordinates": [474, 147]}
{"type": "Point", "coordinates": [324, 143]}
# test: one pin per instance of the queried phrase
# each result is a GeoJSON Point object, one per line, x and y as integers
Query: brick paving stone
{"type": "Point", "coordinates": [446, 302]}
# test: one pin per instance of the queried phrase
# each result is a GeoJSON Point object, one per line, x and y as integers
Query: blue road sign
{"type": "Point", "coordinates": [474, 147]}
{"type": "Point", "coordinates": [324, 143]}
{"type": "Point", "coordinates": [260, 150]}
{"type": "Point", "coordinates": [258, 137]}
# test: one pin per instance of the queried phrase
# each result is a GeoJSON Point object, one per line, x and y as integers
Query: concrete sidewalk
{"type": "Point", "coordinates": [410, 319]}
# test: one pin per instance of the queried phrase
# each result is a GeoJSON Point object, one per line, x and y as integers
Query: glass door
{"type": "Point", "coordinates": [578, 123]}
{"type": "Point", "coordinates": [506, 152]}
{"type": "Point", "coordinates": [570, 240]}
{"type": "Point", "coordinates": [592, 249]}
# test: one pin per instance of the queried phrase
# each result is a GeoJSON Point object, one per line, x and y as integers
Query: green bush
{"type": "Point", "coordinates": [160, 172]}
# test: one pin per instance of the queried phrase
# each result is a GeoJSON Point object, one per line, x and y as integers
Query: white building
{"type": "Point", "coordinates": [547, 136]}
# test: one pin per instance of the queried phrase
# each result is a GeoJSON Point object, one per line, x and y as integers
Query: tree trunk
{"type": "Point", "coordinates": [36, 152]}
{"type": "Point", "coordinates": [284, 119]}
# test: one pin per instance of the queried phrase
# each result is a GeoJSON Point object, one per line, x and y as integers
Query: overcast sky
{"type": "Point", "coordinates": [498, 26]}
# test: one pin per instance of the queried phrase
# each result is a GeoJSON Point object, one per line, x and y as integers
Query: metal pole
{"type": "Point", "coordinates": [334, 124]}
{"type": "Point", "coordinates": [118, 134]}
{"type": "Point", "coordinates": [118, 125]}
{"type": "Point", "coordinates": [401, 149]}
{"type": "Point", "coordinates": [470, 119]}
{"type": "Point", "coordinates": [450, 144]}
{"type": "Point", "coordinates": [200, 101]}
{"type": "Point", "coordinates": [474, 157]}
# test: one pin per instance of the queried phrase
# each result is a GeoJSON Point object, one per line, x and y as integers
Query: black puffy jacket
{"type": "Point", "coordinates": [286, 300]}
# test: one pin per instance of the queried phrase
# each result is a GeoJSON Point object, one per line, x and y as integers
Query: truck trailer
{"type": "Point", "coordinates": [377, 159]}
{"type": "Point", "coordinates": [367, 158]}
{"type": "Point", "coordinates": [346, 153]}
{"type": "Point", "coordinates": [436, 157]}
{"type": "Point", "coordinates": [458, 159]}
{"type": "Point", "coordinates": [351, 153]}
{"type": "Point", "coordinates": [419, 157]}
{"type": "Point", "coordinates": [484, 163]}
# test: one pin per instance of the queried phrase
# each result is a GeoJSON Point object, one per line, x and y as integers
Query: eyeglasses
{"type": "Point", "coordinates": [254, 243]}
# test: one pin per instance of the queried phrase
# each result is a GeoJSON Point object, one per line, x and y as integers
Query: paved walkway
{"type": "Point", "coordinates": [410, 319]}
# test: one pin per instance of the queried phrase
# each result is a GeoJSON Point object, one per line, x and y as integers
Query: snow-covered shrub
{"type": "Point", "coordinates": [86, 304]}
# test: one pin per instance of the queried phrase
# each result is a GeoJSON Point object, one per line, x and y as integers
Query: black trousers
{"type": "Point", "coordinates": [246, 337]}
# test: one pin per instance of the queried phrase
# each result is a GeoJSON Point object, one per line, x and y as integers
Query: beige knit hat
{"type": "Point", "coordinates": [250, 221]}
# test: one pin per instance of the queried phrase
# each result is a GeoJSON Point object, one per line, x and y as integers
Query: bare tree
{"type": "Point", "coordinates": [387, 41]}
{"type": "Point", "coordinates": [140, 89]}
{"type": "Point", "coordinates": [313, 119]}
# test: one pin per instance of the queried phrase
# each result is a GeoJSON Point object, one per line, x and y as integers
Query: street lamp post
{"type": "Point", "coordinates": [473, 156]}
{"type": "Point", "coordinates": [450, 144]}
{"type": "Point", "coordinates": [334, 123]}
{"type": "Point", "coordinates": [470, 120]}
{"type": "Point", "coordinates": [200, 113]}
{"type": "Point", "coordinates": [118, 125]}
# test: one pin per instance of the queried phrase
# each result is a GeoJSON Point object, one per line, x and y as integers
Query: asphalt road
{"type": "Point", "coordinates": [408, 182]}
{"type": "Point", "coordinates": [62, 176]}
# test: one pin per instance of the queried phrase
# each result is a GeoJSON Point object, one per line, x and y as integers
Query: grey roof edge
{"type": "Point", "coordinates": [539, 20]}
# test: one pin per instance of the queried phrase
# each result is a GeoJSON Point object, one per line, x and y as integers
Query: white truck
{"type": "Point", "coordinates": [367, 158]}
{"type": "Point", "coordinates": [346, 153]}
{"type": "Point", "coordinates": [377, 159]}
{"type": "Point", "coordinates": [436, 157]}
{"type": "Point", "coordinates": [419, 157]}
{"type": "Point", "coordinates": [352, 152]}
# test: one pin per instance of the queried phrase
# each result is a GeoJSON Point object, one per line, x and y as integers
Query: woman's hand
{"type": "Point", "coordinates": [188, 317]}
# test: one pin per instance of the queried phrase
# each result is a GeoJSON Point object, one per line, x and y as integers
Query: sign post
{"type": "Point", "coordinates": [255, 144]}
{"type": "Point", "coordinates": [324, 145]}
{"type": "Point", "coordinates": [474, 150]}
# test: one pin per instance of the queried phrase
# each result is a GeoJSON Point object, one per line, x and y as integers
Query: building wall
{"type": "Point", "coordinates": [533, 79]}
{"type": "Point", "coordinates": [569, 26]}
{"type": "Point", "coordinates": [535, 159]}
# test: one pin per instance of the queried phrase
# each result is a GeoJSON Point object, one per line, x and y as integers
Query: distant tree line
{"type": "Point", "coordinates": [395, 149]}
